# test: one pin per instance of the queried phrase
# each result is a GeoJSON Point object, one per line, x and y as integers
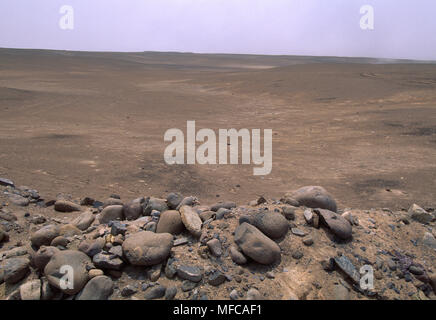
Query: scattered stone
{"type": "Point", "coordinates": [225, 205]}
{"type": "Point", "coordinates": [429, 240]}
{"type": "Point", "coordinates": [76, 261]}
{"type": "Point", "coordinates": [155, 292]}
{"type": "Point", "coordinates": [416, 270]}
{"type": "Point", "coordinates": [272, 224]}
{"type": "Point", "coordinates": [15, 269]}
{"type": "Point", "coordinates": [191, 273]}
{"type": "Point", "coordinates": [66, 206]}
{"type": "Point", "coordinates": [350, 218]}
{"type": "Point", "coordinates": [188, 285]}
{"type": "Point", "coordinates": [419, 214]}
{"type": "Point", "coordinates": [207, 215]}
{"type": "Point", "coordinates": [87, 201]}
{"type": "Point", "coordinates": [392, 265]}
{"type": "Point", "coordinates": [95, 273]}
{"type": "Point", "coordinates": [8, 216]}
{"type": "Point", "coordinates": [191, 220]}
{"type": "Point", "coordinates": [91, 248]}
{"type": "Point", "coordinates": [171, 293]}
{"type": "Point", "coordinates": [173, 200]}
{"type": "Point", "coordinates": [180, 242]}
{"type": "Point", "coordinates": [308, 241]}
{"type": "Point", "coordinates": [60, 241]}
{"type": "Point", "coordinates": [117, 228]}
{"type": "Point", "coordinates": [31, 290]}
{"type": "Point", "coordinates": [308, 216]}
{"type": "Point", "coordinates": [287, 199]}
{"type": "Point", "coordinates": [314, 197]}
{"type": "Point", "coordinates": [107, 261]}
{"type": "Point", "coordinates": [336, 223]}
{"type": "Point", "coordinates": [111, 213]}
{"type": "Point", "coordinates": [69, 230]}
{"type": "Point", "coordinates": [19, 200]}
{"type": "Point", "coordinates": [4, 237]}
{"type": "Point", "coordinates": [155, 204]}
{"type": "Point", "coordinates": [237, 255]}
{"type": "Point", "coordinates": [116, 251]}
{"type": "Point", "coordinates": [256, 245]}
{"type": "Point", "coordinates": [128, 291]}
{"type": "Point", "coordinates": [253, 294]}
{"type": "Point", "coordinates": [234, 295]}
{"type": "Point", "coordinates": [216, 278]}
{"type": "Point", "coordinates": [297, 254]}
{"type": "Point", "coordinates": [146, 248]}
{"type": "Point", "coordinates": [348, 268]}
{"type": "Point", "coordinates": [14, 252]}
{"type": "Point", "coordinates": [38, 219]}
{"type": "Point", "coordinates": [289, 212]}
{"type": "Point", "coordinates": [170, 222]}
{"type": "Point", "coordinates": [298, 232]}
{"type": "Point", "coordinates": [187, 201]}
{"type": "Point", "coordinates": [7, 183]}
{"type": "Point", "coordinates": [98, 288]}
{"type": "Point", "coordinates": [112, 202]}
{"type": "Point", "coordinates": [84, 221]}
{"type": "Point", "coordinates": [44, 236]}
{"type": "Point", "coordinates": [214, 246]}
{"type": "Point", "coordinates": [328, 265]}
{"type": "Point", "coordinates": [151, 226]}
{"type": "Point", "coordinates": [222, 213]}
{"type": "Point", "coordinates": [170, 270]}
{"type": "Point", "coordinates": [134, 209]}
{"type": "Point", "coordinates": [42, 256]}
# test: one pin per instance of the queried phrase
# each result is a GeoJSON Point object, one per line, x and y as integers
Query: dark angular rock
{"type": "Point", "coordinates": [344, 264]}
{"type": "Point", "coordinates": [216, 278]}
{"type": "Point", "coordinates": [191, 273]}
{"type": "Point", "coordinates": [155, 292]}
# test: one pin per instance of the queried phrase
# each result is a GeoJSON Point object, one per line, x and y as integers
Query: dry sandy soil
{"type": "Point", "coordinates": [93, 124]}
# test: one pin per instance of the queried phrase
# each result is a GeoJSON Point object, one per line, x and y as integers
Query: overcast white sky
{"type": "Point", "coordinates": [403, 28]}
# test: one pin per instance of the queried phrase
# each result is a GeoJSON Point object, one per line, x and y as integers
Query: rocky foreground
{"type": "Point", "coordinates": [299, 247]}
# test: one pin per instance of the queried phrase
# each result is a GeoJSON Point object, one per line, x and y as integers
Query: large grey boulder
{"type": "Point", "coordinates": [98, 288]}
{"type": "Point", "coordinates": [419, 214]}
{"type": "Point", "coordinates": [272, 224]}
{"type": "Point", "coordinates": [191, 220]}
{"type": "Point", "coordinates": [314, 197]}
{"type": "Point", "coordinates": [134, 209]}
{"type": "Point", "coordinates": [170, 222]}
{"type": "Point", "coordinates": [111, 213]}
{"type": "Point", "coordinates": [44, 236]}
{"type": "Point", "coordinates": [84, 220]}
{"type": "Point", "coordinates": [256, 245]}
{"type": "Point", "coordinates": [61, 264]}
{"type": "Point", "coordinates": [147, 248]}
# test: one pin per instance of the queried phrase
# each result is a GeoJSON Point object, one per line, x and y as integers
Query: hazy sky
{"type": "Point", "coordinates": [402, 28]}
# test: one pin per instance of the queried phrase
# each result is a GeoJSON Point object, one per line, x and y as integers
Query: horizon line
{"type": "Point", "coordinates": [224, 53]}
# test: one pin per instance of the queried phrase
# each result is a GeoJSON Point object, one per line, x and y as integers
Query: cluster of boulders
{"type": "Point", "coordinates": [81, 258]}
